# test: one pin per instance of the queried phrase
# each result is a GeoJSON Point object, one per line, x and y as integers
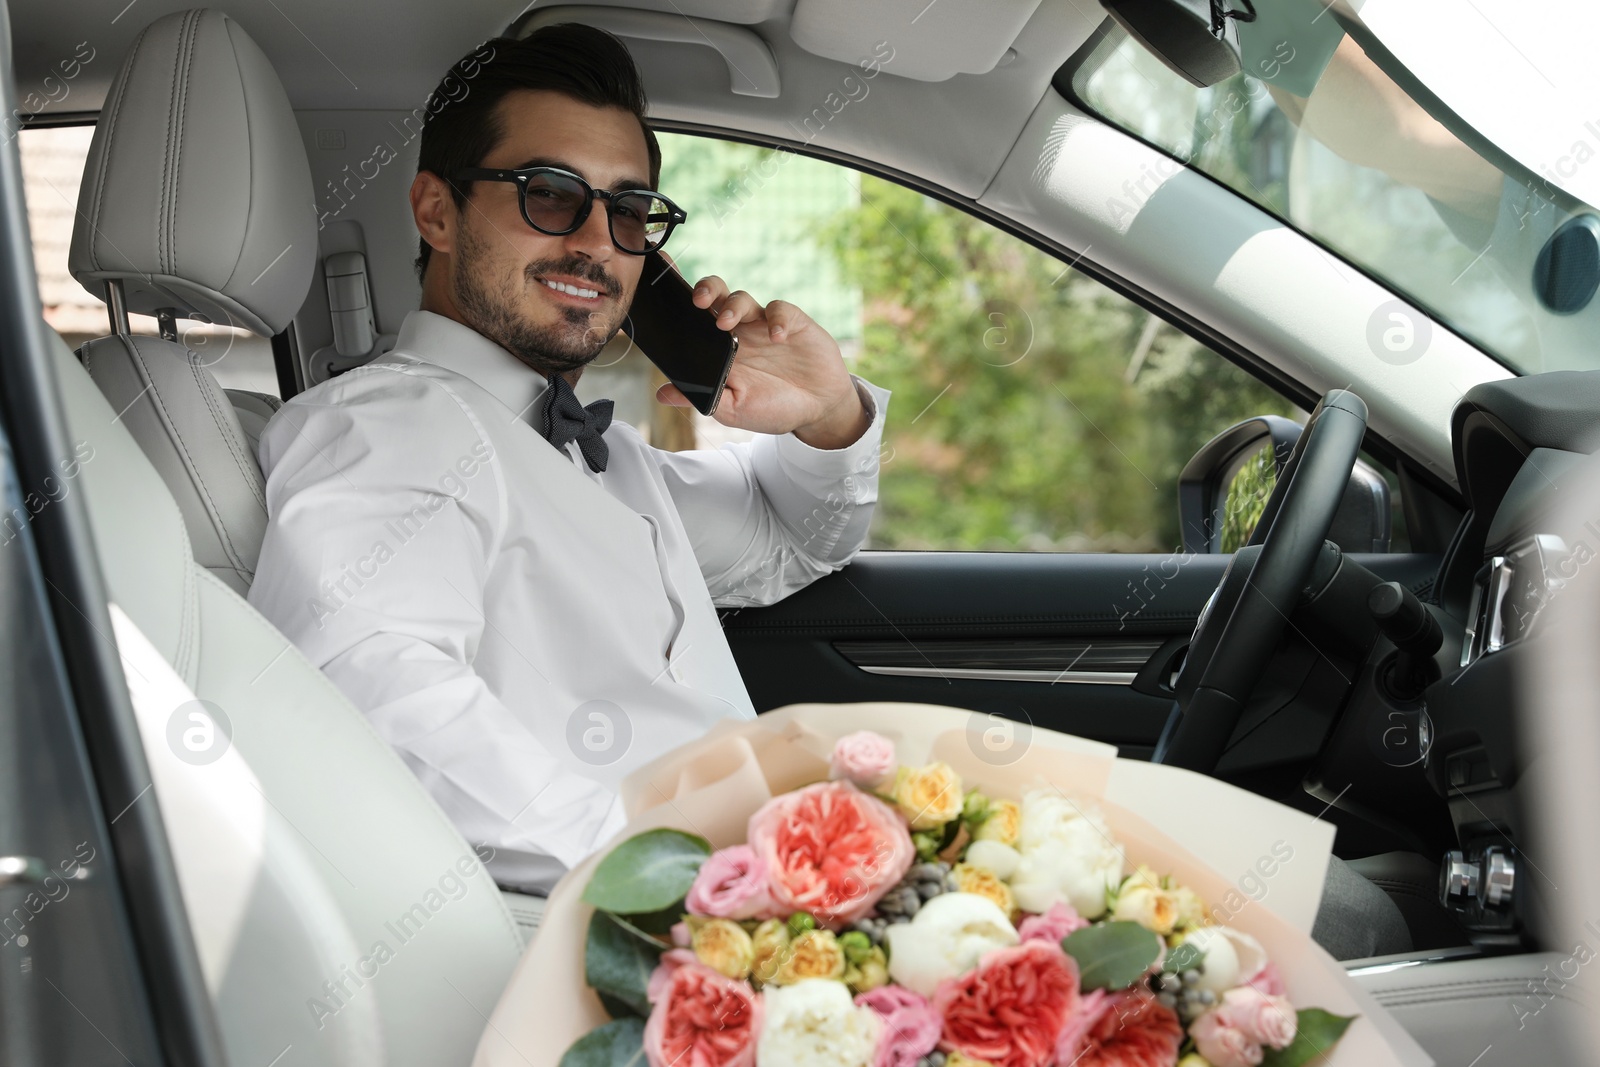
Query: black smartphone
{"type": "Point", "coordinates": [681, 339]}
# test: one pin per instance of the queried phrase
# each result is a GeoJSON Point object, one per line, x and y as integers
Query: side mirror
{"type": "Point", "coordinates": [1224, 489]}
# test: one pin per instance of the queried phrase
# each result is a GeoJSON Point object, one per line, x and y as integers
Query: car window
{"type": "Point", "coordinates": [52, 168]}
{"type": "Point", "coordinates": [1330, 134]}
{"type": "Point", "coordinates": [1034, 408]}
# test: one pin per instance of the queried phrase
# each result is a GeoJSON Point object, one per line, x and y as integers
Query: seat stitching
{"type": "Point", "coordinates": [191, 30]}
{"type": "Point", "coordinates": [208, 389]}
{"type": "Point", "coordinates": [194, 472]}
{"type": "Point", "coordinates": [249, 147]}
{"type": "Point", "coordinates": [323, 682]}
{"type": "Point", "coordinates": [105, 156]}
{"type": "Point", "coordinates": [166, 158]}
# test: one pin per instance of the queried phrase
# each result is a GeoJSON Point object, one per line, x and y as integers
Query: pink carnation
{"type": "Point", "coordinates": [1055, 924]}
{"type": "Point", "coordinates": [830, 850]}
{"type": "Point", "coordinates": [910, 1025]}
{"type": "Point", "coordinates": [865, 758]}
{"type": "Point", "coordinates": [701, 1017]}
{"type": "Point", "coordinates": [732, 884]}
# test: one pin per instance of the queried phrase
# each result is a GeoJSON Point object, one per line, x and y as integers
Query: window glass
{"type": "Point", "coordinates": [1328, 137]}
{"type": "Point", "coordinates": [1034, 408]}
{"type": "Point", "coordinates": [52, 168]}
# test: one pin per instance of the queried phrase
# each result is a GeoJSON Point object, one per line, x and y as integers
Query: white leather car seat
{"type": "Point", "coordinates": [310, 843]}
{"type": "Point", "coordinates": [196, 202]}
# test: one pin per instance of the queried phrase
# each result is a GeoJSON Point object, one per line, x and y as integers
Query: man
{"type": "Point", "coordinates": [516, 591]}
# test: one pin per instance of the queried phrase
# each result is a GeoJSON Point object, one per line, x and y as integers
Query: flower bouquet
{"type": "Point", "coordinates": [794, 893]}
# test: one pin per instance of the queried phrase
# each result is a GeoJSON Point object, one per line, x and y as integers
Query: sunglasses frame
{"type": "Point", "coordinates": [676, 216]}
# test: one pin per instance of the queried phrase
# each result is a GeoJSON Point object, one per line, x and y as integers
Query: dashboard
{"type": "Point", "coordinates": [1522, 449]}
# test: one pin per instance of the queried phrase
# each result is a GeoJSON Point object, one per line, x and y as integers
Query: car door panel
{"type": "Point", "coordinates": [1069, 642]}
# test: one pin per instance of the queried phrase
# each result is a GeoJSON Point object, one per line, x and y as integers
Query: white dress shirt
{"type": "Point", "coordinates": [525, 631]}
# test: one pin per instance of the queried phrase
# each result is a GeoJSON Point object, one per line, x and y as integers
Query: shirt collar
{"type": "Point", "coordinates": [447, 343]}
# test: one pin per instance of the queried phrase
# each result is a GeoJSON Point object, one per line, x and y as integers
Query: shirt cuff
{"type": "Point", "coordinates": [858, 457]}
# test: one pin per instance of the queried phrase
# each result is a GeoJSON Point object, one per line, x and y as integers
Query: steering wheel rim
{"type": "Point", "coordinates": [1267, 586]}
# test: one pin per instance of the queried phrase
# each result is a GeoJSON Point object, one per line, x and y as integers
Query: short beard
{"type": "Point", "coordinates": [496, 312]}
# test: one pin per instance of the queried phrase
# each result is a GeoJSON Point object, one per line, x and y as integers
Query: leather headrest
{"type": "Point", "coordinates": [197, 192]}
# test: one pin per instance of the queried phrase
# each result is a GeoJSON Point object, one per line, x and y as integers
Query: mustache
{"type": "Point", "coordinates": [576, 268]}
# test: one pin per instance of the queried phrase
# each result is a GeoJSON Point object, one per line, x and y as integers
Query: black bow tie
{"type": "Point", "coordinates": [565, 419]}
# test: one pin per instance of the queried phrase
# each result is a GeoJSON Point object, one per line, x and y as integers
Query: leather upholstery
{"type": "Point", "coordinates": [189, 429]}
{"type": "Point", "coordinates": [1412, 882]}
{"type": "Point", "coordinates": [197, 193]}
{"type": "Point", "coordinates": [346, 842]}
{"type": "Point", "coordinates": [1528, 1007]}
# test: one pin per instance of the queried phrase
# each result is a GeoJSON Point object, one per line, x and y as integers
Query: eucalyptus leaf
{"type": "Point", "coordinates": [619, 1043]}
{"type": "Point", "coordinates": [617, 963]}
{"type": "Point", "coordinates": [647, 872]}
{"type": "Point", "coordinates": [1316, 1033]}
{"type": "Point", "coordinates": [1186, 957]}
{"type": "Point", "coordinates": [1112, 955]}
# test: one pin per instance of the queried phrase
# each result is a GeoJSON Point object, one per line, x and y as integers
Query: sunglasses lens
{"type": "Point", "coordinates": [554, 201]}
{"type": "Point", "coordinates": [639, 222]}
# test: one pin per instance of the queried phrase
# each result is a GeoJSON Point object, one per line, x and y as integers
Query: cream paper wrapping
{"type": "Point", "coordinates": [711, 787]}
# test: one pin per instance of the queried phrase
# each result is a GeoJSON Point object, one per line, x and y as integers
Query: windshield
{"type": "Point", "coordinates": [1314, 131]}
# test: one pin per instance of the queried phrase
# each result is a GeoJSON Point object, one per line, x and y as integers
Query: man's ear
{"type": "Point", "coordinates": [434, 211]}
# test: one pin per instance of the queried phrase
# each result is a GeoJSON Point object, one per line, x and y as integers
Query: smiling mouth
{"type": "Point", "coordinates": [571, 290]}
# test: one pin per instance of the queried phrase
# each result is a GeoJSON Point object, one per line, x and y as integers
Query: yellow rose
{"type": "Point", "coordinates": [1004, 823]}
{"type": "Point", "coordinates": [814, 954]}
{"type": "Point", "coordinates": [1193, 1059]}
{"type": "Point", "coordinates": [984, 883]}
{"type": "Point", "coordinates": [928, 797]}
{"type": "Point", "coordinates": [1191, 909]}
{"type": "Point", "coordinates": [770, 943]}
{"type": "Point", "coordinates": [1152, 908]}
{"type": "Point", "coordinates": [961, 1059]}
{"type": "Point", "coordinates": [870, 973]}
{"type": "Point", "coordinates": [722, 945]}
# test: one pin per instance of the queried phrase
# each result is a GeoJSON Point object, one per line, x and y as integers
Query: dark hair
{"type": "Point", "coordinates": [462, 123]}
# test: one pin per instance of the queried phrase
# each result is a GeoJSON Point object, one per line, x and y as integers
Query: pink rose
{"type": "Point", "coordinates": [732, 884]}
{"type": "Point", "coordinates": [830, 850]}
{"type": "Point", "coordinates": [670, 961]}
{"type": "Point", "coordinates": [1267, 1020]}
{"type": "Point", "coordinates": [910, 1025]}
{"type": "Point", "coordinates": [702, 1018]}
{"type": "Point", "coordinates": [1009, 1009]}
{"type": "Point", "coordinates": [1129, 1029]}
{"type": "Point", "coordinates": [865, 758]}
{"type": "Point", "coordinates": [1222, 1043]}
{"type": "Point", "coordinates": [1269, 980]}
{"type": "Point", "coordinates": [681, 937]}
{"type": "Point", "coordinates": [1055, 924]}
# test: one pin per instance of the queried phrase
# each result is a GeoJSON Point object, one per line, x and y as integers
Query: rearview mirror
{"type": "Point", "coordinates": [1192, 37]}
{"type": "Point", "coordinates": [1223, 490]}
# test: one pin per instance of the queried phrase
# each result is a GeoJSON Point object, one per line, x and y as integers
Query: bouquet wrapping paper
{"type": "Point", "coordinates": [1231, 852]}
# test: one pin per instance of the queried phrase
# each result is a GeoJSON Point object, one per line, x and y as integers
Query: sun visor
{"type": "Point", "coordinates": [931, 41]}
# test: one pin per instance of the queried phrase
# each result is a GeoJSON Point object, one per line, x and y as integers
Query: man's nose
{"type": "Point", "coordinates": [593, 238]}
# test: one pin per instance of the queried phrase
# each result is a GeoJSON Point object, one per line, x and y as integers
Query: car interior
{"type": "Point", "coordinates": [234, 178]}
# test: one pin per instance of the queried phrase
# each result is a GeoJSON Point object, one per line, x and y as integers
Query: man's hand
{"type": "Point", "coordinates": [788, 374]}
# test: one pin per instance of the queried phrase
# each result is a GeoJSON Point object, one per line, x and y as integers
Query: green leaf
{"type": "Point", "coordinates": [1112, 955]}
{"type": "Point", "coordinates": [658, 924]}
{"type": "Point", "coordinates": [617, 963]}
{"type": "Point", "coordinates": [647, 872]}
{"type": "Point", "coordinates": [1318, 1031]}
{"type": "Point", "coordinates": [1186, 956]}
{"type": "Point", "coordinates": [619, 1043]}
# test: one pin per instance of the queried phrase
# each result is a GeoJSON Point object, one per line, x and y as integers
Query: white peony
{"type": "Point", "coordinates": [946, 938]}
{"type": "Point", "coordinates": [815, 1022]}
{"type": "Point", "coordinates": [1231, 957]}
{"type": "Point", "coordinates": [1067, 855]}
{"type": "Point", "coordinates": [994, 856]}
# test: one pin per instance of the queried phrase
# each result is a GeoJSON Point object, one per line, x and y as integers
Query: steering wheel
{"type": "Point", "coordinates": [1239, 629]}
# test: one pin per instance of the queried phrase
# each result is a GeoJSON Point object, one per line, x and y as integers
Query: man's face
{"type": "Point", "coordinates": [504, 273]}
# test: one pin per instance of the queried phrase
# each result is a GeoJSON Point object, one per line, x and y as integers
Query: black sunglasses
{"type": "Point", "coordinates": [557, 202]}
